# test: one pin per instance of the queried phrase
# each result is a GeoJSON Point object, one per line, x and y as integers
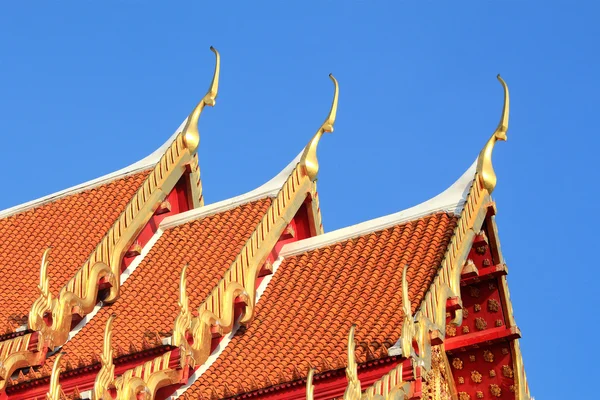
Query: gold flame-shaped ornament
{"type": "Point", "coordinates": [485, 169]}
{"type": "Point", "coordinates": [55, 390]}
{"type": "Point", "coordinates": [184, 318]}
{"type": "Point", "coordinates": [353, 391]}
{"type": "Point", "coordinates": [309, 157]}
{"type": "Point", "coordinates": [408, 324]}
{"type": "Point", "coordinates": [191, 135]}
{"type": "Point", "coordinates": [310, 387]}
{"type": "Point", "coordinates": [107, 371]}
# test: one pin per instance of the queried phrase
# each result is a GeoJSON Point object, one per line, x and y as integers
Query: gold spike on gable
{"type": "Point", "coordinates": [191, 135]}
{"type": "Point", "coordinates": [485, 169]}
{"type": "Point", "coordinates": [55, 391]}
{"type": "Point", "coordinates": [44, 285]}
{"type": "Point", "coordinates": [353, 391]}
{"type": "Point", "coordinates": [239, 281]}
{"type": "Point", "coordinates": [310, 387]}
{"type": "Point", "coordinates": [79, 295]}
{"type": "Point", "coordinates": [309, 157]}
{"type": "Point", "coordinates": [184, 319]}
{"type": "Point", "coordinates": [408, 323]}
{"type": "Point", "coordinates": [107, 371]}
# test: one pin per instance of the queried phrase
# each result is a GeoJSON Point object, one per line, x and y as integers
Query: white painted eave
{"type": "Point", "coordinates": [141, 165]}
{"type": "Point", "coordinates": [451, 200]}
{"type": "Point", "coordinates": [269, 189]}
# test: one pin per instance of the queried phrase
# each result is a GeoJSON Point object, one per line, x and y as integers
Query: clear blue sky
{"type": "Point", "coordinates": [87, 88]}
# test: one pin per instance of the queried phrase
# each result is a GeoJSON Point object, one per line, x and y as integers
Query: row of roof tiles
{"type": "Point", "coordinates": [149, 299]}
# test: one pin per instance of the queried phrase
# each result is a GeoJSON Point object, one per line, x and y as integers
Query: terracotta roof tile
{"type": "Point", "coordinates": [148, 300]}
{"type": "Point", "coordinates": [304, 315]}
{"type": "Point", "coordinates": [72, 225]}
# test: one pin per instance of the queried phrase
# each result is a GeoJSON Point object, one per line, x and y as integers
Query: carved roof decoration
{"type": "Point", "coordinates": [485, 169]}
{"type": "Point", "coordinates": [208, 245]}
{"type": "Point", "coordinates": [79, 294]}
{"type": "Point", "coordinates": [105, 260]}
{"type": "Point", "coordinates": [392, 283]}
{"type": "Point", "coordinates": [337, 285]}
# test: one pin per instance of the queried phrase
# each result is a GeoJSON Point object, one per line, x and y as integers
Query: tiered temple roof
{"type": "Point", "coordinates": [129, 287]}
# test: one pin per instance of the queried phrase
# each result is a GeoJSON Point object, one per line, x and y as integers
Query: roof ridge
{"type": "Point", "coordinates": [450, 200]}
{"type": "Point", "coordinates": [145, 163]}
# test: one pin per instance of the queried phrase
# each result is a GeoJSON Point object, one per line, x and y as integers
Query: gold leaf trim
{"type": "Point", "coordinates": [239, 280]}
{"type": "Point", "coordinates": [15, 354]}
{"type": "Point", "coordinates": [80, 292]}
{"type": "Point", "coordinates": [485, 169]}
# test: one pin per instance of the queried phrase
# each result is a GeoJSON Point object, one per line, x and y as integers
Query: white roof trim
{"type": "Point", "coordinates": [221, 346]}
{"type": "Point", "coordinates": [141, 165]}
{"type": "Point", "coordinates": [451, 200]}
{"type": "Point", "coordinates": [269, 189]}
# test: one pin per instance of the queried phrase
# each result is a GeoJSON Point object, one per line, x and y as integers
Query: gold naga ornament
{"type": "Point", "coordinates": [55, 390]}
{"type": "Point", "coordinates": [194, 334]}
{"type": "Point", "coordinates": [107, 371]}
{"type": "Point", "coordinates": [485, 168]}
{"type": "Point", "coordinates": [446, 284]}
{"type": "Point", "coordinates": [52, 316]}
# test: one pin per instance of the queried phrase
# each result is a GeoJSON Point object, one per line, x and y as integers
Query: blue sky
{"type": "Point", "coordinates": [87, 88]}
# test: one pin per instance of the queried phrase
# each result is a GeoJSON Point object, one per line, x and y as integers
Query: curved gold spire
{"type": "Point", "coordinates": [107, 354]}
{"type": "Point", "coordinates": [107, 371]}
{"type": "Point", "coordinates": [408, 325]}
{"type": "Point", "coordinates": [184, 301]}
{"type": "Point", "coordinates": [353, 391]}
{"type": "Point", "coordinates": [310, 387]}
{"type": "Point", "coordinates": [54, 391]}
{"type": "Point", "coordinates": [44, 285]}
{"type": "Point", "coordinates": [485, 169]}
{"type": "Point", "coordinates": [184, 318]}
{"type": "Point", "coordinates": [309, 157]}
{"type": "Point", "coordinates": [191, 136]}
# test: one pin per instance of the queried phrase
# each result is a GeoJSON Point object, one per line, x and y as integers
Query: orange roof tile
{"type": "Point", "coordinates": [72, 225]}
{"type": "Point", "coordinates": [304, 315]}
{"type": "Point", "coordinates": [148, 299]}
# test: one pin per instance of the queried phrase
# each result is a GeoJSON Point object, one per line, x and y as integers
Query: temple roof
{"type": "Point", "coordinates": [238, 296]}
{"type": "Point", "coordinates": [314, 297]}
{"type": "Point", "coordinates": [148, 301]}
{"type": "Point", "coordinates": [71, 224]}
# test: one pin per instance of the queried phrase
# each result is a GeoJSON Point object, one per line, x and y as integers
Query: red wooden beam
{"type": "Point", "coordinates": [487, 336]}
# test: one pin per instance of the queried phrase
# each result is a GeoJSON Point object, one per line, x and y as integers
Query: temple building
{"type": "Point", "coordinates": [130, 287]}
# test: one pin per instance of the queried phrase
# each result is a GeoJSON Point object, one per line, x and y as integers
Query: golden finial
{"type": "Point", "coordinates": [408, 325]}
{"type": "Point", "coordinates": [107, 354]}
{"type": "Point", "coordinates": [309, 157]}
{"type": "Point", "coordinates": [191, 136]}
{"type": "Point", "coordinates": [184, 302]}
{"type": "Point", "coordinates": [54, 391]}
{"type": "Point", "coordinates": [44, 285]}
{"type": "Point", "coordinates": [184, 318]}
{"type": "Point", "coordinates": [107, 371]}
{"type": "Point", "coordinates": [353, 391]}
{"type": "Point", "coordinates": [310, 387]}
{"type": "Point", "coordinates": [484, 161]}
